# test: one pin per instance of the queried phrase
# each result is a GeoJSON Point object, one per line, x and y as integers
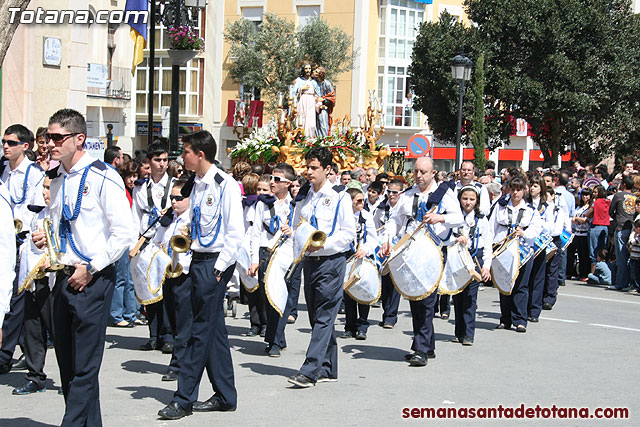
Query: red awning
{"type": "Point", "coordinates": [506, 154]}
{"type": "Point", "coordinates": [469, 154]}
{"type": "Point", "coordinates": [444, 153]}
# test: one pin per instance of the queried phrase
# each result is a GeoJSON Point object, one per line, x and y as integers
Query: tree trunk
{"type": "Point", "coordinates": [7, 29]}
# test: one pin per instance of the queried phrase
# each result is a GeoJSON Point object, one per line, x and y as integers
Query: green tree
{"type": "Point", "coordinates": [569, 67]}
{"type": "Point", "coordinates": [268, 58]}
{"type": "Point", "coordinates": [478, 134]}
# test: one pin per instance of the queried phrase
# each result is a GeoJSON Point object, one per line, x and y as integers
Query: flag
{"type": "Point", "coordinates": [138, 32]}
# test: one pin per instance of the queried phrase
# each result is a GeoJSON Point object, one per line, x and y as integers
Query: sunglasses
{"type": "Point", "coordinates": [177, 198]}
{"type": "Point", "coordinates": [393, 192]}
{"type": "Point", "coordinates": [279, 179]}
{"type": "Point", "coordinates": [11, 143]}
{"type": "Point", "coordinates": [59, 137]}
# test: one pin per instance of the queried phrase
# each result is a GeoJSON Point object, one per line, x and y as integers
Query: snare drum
{"type": "Point", "coordinates": [566, 238]}
{"type": "Point", "coordinates": [362, 281]}
{"type": "Point", "coordinates": [542, 243]}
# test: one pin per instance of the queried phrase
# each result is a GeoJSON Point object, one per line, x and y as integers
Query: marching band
{"type": "Point", "coordinates": [189, 237]}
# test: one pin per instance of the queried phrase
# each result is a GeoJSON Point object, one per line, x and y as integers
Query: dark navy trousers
{"type": "Point", "coordinates": [80, 325]}
{"type": "Point", "coordinates": [38, 320]}
{"type": "Point", "coordinates": [422, 313]}
{"type": "Point", "coordinates": [390, 300]}
{"type": "Point", "coordinates": [294, 290]}
{"type": "Point", "coordinates": [276, 324]}
{"type": "Point", "coordinates": [177, 300]}
{"type": "Point", "coordinates": [553, 268]}
{"type": "Point", "coordinates": [257, 300]}
{"type": "Point", "coordinates": [513, 308]}
{"type": "Point", "coordinates": [465, 305]}
{"type": "Point", "coordinates": [356, 315]}
{"type": "Point", "coordinates": [208, 345]}
{"type": "Point", "coordinates": [323, 289]}
{"type": "Point", "coordinates": [536, 284]}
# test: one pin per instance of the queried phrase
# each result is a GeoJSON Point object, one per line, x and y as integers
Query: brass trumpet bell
{"type": "Point", "coordinates": [317, 239]}
{"type": "Point", "coordinates": [18, 225]}
{"type": "Point", "coordinates": [179, 244]}
{"type": "Point", "coordinates": [52, 247]}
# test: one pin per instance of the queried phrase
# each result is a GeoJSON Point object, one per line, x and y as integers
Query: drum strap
{"type": "Point", "coordinates": [361, 236]}
{"type": "Point", "coordinates": [153, 210]}
{"type": "Point", "coordinates": [518, 219]}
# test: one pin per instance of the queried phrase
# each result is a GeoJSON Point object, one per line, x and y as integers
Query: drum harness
{"type": "Point", "coordinates": [361, 235]}
{"type": "Point", "coordinates": [420, 209]}
{"type": "Point", "coordinates": [153, 211]}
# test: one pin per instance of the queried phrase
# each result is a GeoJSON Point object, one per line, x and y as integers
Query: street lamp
{"type": "Point", "coordinates": [460, 71]}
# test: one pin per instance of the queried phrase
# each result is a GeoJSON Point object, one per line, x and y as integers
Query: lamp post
{"type": "Point", "coordinates": [461, 72]}
{"type": "Point", "coordinates": [174, 14]}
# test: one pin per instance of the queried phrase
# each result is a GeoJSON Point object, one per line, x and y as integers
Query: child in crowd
{"type": "Point", "coordinates": [602, 273]}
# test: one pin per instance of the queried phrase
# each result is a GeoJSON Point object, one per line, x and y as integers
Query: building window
{"type": "Point", "coordinates": [307, 13]}
{"type": "Point", "coordinates": [188, 89]}
{"type": "Point", "coordinates": [253, 14]}
{"type": "Point", "coordinates": [399, 22]}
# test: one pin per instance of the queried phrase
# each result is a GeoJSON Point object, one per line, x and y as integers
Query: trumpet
{"type": "Point", "coordinates": [52, 247]}
{"type": "Point", "coordinates": [179, 244]}
{"type": "Point", "coordinates": [316, 239]}
{"type": "Point", "coordinates": [17, 225]}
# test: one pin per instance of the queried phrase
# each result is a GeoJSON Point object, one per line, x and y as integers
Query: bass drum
{"type": "Point", "coordinates": [459, 271]}
{"type": "Point", "coordinates": [275, 284]}
{"type": "Point", "coordinates": [362, 281]}
{"type": "Point", "coordinates": [505, 266]}
{"type": "Point", "coordinates": [416, 265]}
{"type": "Point", "coordinates": [148, 269]}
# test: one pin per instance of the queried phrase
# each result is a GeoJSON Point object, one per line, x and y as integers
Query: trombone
{"type": "Point", "coordinates": [179, 244]}
{"type": "Point", "coordinates": [52, 247]}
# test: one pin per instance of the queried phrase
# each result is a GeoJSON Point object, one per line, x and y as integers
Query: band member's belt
{"type": "Point", "coordinates": [325, 257]}
{"type": "Point", "coordinates": [204, 255]}
{"type": "Point", "coordinates": [68, 270]}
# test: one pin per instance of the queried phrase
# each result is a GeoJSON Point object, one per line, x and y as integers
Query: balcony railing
{"type": "Point", "coordinates": [108, 81]}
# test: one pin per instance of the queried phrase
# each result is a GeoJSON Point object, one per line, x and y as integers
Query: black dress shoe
{"type": "Point", "coordinates": [467, 341]}
{"type": "Point", "coordinates": [173, 411]}
{"type": "Point", "coordinates": [148, 346]}
{"type": "Point", "coordinates": [170, 376]}
{"type": "Point", "coordinates": [167, 348]}
{"type": "Point", "coordinates": [361, 335]}
{"type": "Point", "coordinates": [418, 359]}
{"type": "Point", "coordinates": [547, 306]}
{"type": "Point", "coordinates": [253, 332]}
{"type": "Point", "coordinates": [431, 354]}
{"type": "Point", "coordinates": [21, 364]}
{"type": "Point", "coordinates": [301, 381]}
{"type": "Point", "coordinates": [521, 329]}
{"type": "Point", "coordinates": [263, 331]}
{"type": "Point", "coordinates": [348, 334]}
{"type": "Point", "coordinates": [532, 319]}
{"type": "Point", "coordinates": [213, 404]}
{"type": "Point", "coordinates": [28, 388]}
{"type": "Point", "coordinates": [274, 351]}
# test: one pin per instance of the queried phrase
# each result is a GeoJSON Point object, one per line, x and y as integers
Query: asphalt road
{"type": "Point", "coordinates": [583, 353]}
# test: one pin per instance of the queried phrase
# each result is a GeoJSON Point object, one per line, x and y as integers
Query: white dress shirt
{"type": "Point", "coordinates": [560, 218]}
{"type": "Point", "coordinates": [485, 201]}
{"type": "Point", "coordinates": [531, 222]}
{"type": "Point", "coordinates": [141, 208]}
{"type": "Point", "coordinates": [325, 204]}
{"type": "Point", "coordinates": [104, 228]}
{"type": "Point", "coordinates": [546, 215]}
{"type": "Point", "coordinates": [402, 220]}
{"type": "Point", "coordinates": [482, 237]}
{"type": "Point", "coordinates": [261, 237]}
{"type": "Point", "coordinates": [221, 216]}
{"type": "Point", "coordinates": [7, 251]}
{"type": "Point", "coordinates": [366, 239]}
{"type": "Point", "coordinates": [31, 193]}
{"type": "Point", "coordinates": [164, 234]}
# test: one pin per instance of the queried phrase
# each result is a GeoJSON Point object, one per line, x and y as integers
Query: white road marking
{"type": "Point", "coordinates": [600, 299]}
{"type": "Point", "coordinates": [614, 327]}
{"type": "Point", "coordinates": [559, 320]}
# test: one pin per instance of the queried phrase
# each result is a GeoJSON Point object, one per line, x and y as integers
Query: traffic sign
{"type": "Point", "coordinates": [419, 145]}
